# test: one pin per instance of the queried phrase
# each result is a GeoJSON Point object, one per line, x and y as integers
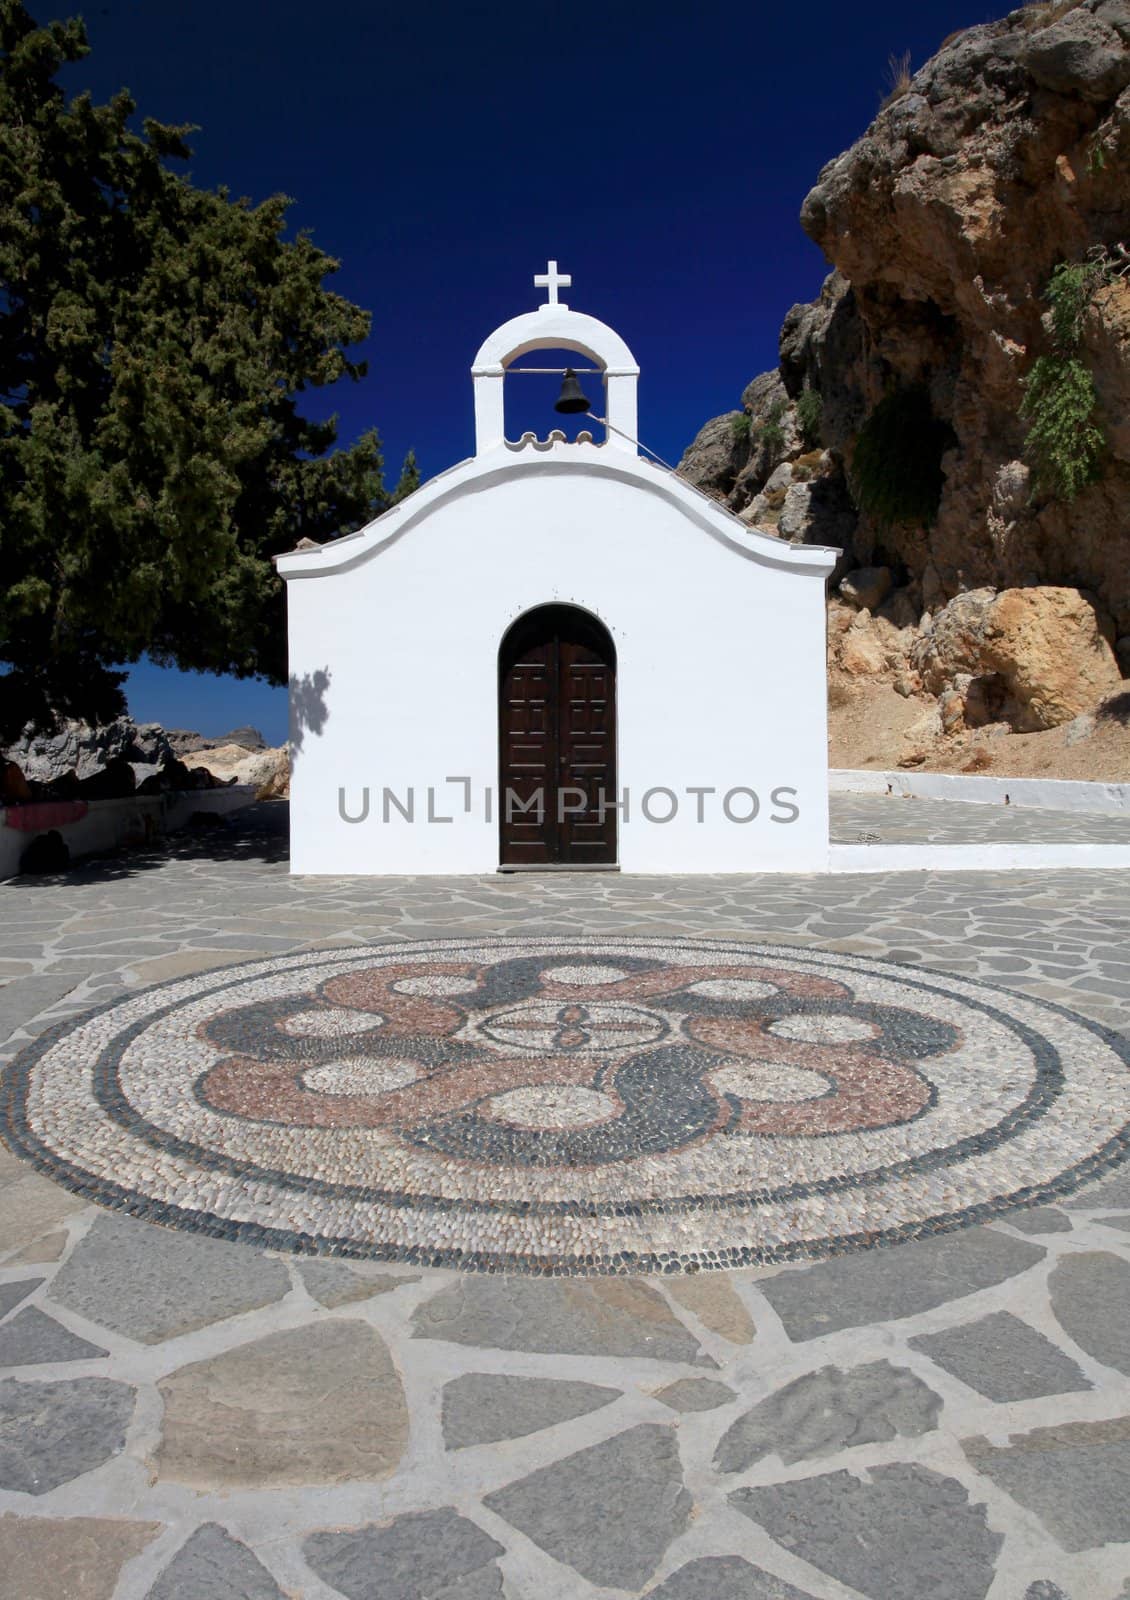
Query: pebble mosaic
{"type": "Point", "coordinates": [568, 1105]}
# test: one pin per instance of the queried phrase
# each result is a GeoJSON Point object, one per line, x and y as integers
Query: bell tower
{"type": "Point", "coordinates": [554, 326]}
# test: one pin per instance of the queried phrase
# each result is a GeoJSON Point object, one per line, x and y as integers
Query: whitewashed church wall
{"type": "Point", "coordinates": [720, 671]}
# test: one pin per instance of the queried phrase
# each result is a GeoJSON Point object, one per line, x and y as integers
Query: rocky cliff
{"type": "Point", "coordinates": [954, 409]}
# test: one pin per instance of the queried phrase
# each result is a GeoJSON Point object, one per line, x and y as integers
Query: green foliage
{"type": "Point", "coordinates": [155, 340]}
{"type": "Point", "coordinates": [740, 424]}
{"type": "Point", "coordinates": [896, 470]}
{"type": "Point", "coordinates": [771, 434]}
{"type": "Point", "coordinates": [810, 411]}
{"type": "Point", "coordinates": [409, 480]}
{"type": "Point", "coordinates": [1068, 295]}
{"type": "Point", "coordinates": [1064, 442]}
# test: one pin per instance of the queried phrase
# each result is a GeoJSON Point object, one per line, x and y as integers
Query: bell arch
{"type": "Point", "coordinates": [556, 327]}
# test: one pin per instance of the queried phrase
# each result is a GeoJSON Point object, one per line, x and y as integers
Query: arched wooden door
{"type": "Point", "coordinates": [557, 741]}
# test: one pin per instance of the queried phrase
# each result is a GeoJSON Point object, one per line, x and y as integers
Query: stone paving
{"type": "Point", "coordinates": [185, 1418]}
{"type": "Point", "coordinates": [875, 819]}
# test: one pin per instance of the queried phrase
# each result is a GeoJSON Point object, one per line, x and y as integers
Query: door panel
{"type": "Point", "coordinates": [557, 740]}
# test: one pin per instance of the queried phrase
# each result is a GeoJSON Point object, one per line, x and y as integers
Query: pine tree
{"type": "Point", "coordinates": [155, 341]}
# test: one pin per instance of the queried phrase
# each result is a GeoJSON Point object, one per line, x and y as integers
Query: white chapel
{"type": "Point", "coordinates": [557, 655]}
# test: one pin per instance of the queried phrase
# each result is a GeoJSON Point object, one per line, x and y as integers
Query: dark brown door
{"type": "Point", "coordinates": [557, 741]}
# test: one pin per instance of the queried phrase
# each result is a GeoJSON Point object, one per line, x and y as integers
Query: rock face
{"type": "Point", "coordinates": [124, 758]}
{"type": "Point", "coordinates": [1005, 157]}
{"type": "Point", "coordinates": [107, 763]}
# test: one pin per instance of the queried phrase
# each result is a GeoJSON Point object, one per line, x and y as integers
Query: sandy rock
{"type": "Point", "coordinates": [1047, 644]}
{"type": "Point", "coordinates": [1033, 657]}
{"type": "Point", "coordinates": [268, 770]}
{"type": "Point", "coordinates": [861, 654]}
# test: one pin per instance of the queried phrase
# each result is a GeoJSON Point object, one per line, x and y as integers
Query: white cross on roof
{"type": "Point", "coordinates": [552, 280]}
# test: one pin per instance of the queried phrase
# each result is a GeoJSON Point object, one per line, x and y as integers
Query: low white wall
{"type": "Point", "coordinates": [1023, 856]}
{"type": "Point", "coordinates": [109, 823]}
{"type": "Point", "coordinates": [1046, 794]}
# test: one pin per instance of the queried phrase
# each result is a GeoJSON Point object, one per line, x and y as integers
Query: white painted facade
{"type": "Point", "coordinates": [394, 636]}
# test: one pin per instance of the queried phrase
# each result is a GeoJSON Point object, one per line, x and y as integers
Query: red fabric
{"type": "Point", "coordinates": [45, 814]}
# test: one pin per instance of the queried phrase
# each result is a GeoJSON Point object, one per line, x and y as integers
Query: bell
{"type": "Point", "coordinates": [571, 399]}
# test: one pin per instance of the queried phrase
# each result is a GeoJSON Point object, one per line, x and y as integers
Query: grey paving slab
{"type": "Point", "coordinates": [907, 1534]}
{"type": "Point", "coordinates": [1003, 1359]}
{"type": "Point", "coordinates": [482, 1407]}
{"type": "Point", "coordinates": [12, 1293]}
{"type": "Point", "coordinates": [606, 1317]}
{"type": "Point", "coordinates": [1090, 1295]}
{"type": "Point", "coordinates": [24, 998]}
{"type": "Point", "coordinates": [210, 1564]}
{"type": "Point", "coordinates": [332, 1283]}
{"type": "Point", "coordinates": [426, 1555]}
{"type": "Point", "coordinates": [899, 1281]}
{"type": "Point", "coordinates": [725, 1578]}
{"type": "Point", "coordinates": [33, 1339]}
{"type": "Point", "coordinates": [53, 1432]}
{"type": "Point", "coordinates": [1075, 1477]}
{"type": "Point", "coordinates": [152, 1283]}
{"type": "Point", "coordinates": [827, 1411]}
{"type": "Point", "coordinates": [632, 1482]}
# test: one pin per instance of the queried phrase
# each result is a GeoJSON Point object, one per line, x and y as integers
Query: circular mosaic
{"type": "Point", "coordinates": [571, 1105]}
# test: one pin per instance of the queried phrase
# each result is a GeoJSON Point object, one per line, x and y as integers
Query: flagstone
{"type": "Point", "coordinates": [34, 1339]}
{"type": "Point", "coordinates": [556, 1316]}
{"type": "Point", "coordinates": [151, 1283]}
{"type": "Point", "coordinates": [631, 1483]}
{"type": "Point", "coordinates": [32, 1206]}
{"type": "Point", "coordinates": [12, 1293]}
{"type": "Point", "coordinates": [41, 1251]}
{"type": "Point", "coordinates": [210, 1564]}
{"type": "Point", "coordinates": [316, 1404]}
{"type": "Point", "coordinates": [908, 1533]}
{"type": "Point", "coordinates": [724, 1578]}
{"type": "Point", "coordinates": [481, 1407]}
{"type": "Point", "coordinates": [333, 1284]}
{"type": "Point", "coordinates": [182, 962]}
{"type": "Point", "coordinates": [695, 1394]}
{"type": "Point", "coordinates": [1090, 1295]}
{"type": "Point", "coordinates": [53, 1432]}
{"type": "Point", "coordinates": [826, 1411]}
{"type": "Point", "coordinates": [715, 1302]}
{"type": "Point", "coordinates": [426, 1555]}
{"type": "Point", "coordinates": [1003, 1358]}
{"type": "Point", "coordinates": [68, 1558]}
{"type": "Point", "coordinates": [1075, 1477]}
{"type": "Point", "coordinates": [898, 1281]}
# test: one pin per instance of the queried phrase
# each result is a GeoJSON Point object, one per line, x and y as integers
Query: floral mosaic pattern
{"type": "Point", "coordinates": [569, 1105]}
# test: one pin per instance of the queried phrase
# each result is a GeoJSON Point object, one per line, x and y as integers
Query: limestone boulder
{"type": "Point", "coordinates": [268, 770]}
{"type": "Point", "coordinates": [1035, 657]}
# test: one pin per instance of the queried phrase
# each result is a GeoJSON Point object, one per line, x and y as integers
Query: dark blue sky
{"type": "Point", "coordinates": [441, 151]}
